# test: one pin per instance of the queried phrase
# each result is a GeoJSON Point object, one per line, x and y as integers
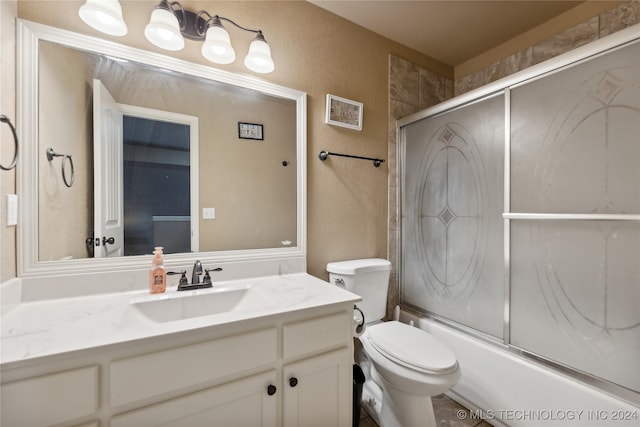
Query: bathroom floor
{"type": "Point", "coordinates": [446, 411]}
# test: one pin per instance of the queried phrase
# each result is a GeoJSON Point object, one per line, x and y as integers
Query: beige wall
{"type": "Point", "coordinates": [8, 12]}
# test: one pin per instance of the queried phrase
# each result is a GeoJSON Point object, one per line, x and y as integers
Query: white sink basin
{"type": "Point", "coordinates": [189, 304]}
{"type": "Point", "coordinates": [264, 296]}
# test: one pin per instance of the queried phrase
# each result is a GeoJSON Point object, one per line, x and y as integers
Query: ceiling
{"type": "Point", "coordinates": [452, 31]}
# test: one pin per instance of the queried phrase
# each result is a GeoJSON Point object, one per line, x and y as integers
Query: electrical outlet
{"type": "Point", "coordinates": [208, 213]}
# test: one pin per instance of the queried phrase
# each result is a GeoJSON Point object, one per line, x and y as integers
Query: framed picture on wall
{"type": "Point", "coordinates": [343, 112]}
{"type": "Point", "coordinates": [250, 131]}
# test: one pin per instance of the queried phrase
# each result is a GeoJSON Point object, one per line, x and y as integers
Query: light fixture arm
{"type": "Point", "coordinates": [240, 26]}
{"type": "Point", "coordinates": [202, 24]}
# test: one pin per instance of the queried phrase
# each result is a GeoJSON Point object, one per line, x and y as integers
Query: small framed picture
{"type": "Point", "coordinates": [250, 131]}
{"type": "Point", "coordinates": [344, 112]}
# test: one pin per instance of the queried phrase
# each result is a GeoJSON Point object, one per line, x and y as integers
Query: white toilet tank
{"type": "Point", "coordinates": [368, 278]}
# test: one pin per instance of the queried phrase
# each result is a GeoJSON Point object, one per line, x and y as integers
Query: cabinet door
{"type": "Point", "coordinates": [246, 402]}
{"type": "Point", "coordinates": [153, 374]}
{"type": "Point", "coordinates": [317, 391]}
{"type": "Point", "coordinates": [50, 399]}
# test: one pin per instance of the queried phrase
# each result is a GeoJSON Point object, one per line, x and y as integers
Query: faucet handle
{"type": "Point", "coordinates": [183, 279]}
{"type": "Point", "coordinates": [207, 278]}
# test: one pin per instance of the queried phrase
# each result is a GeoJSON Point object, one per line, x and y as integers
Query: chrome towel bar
{"type": "Point", "coordinates": [324, 154]}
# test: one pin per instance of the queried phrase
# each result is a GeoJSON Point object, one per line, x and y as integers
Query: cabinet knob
{"type": "Point", "coordinates": [293, 381]}
{"type": "Point", "coordinates": [271, 390]}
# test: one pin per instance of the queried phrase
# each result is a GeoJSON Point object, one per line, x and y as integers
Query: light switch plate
{"type": "Point", "coordinates": [208, 213]}
{"type": "Point", "coordinates": [12, 209]}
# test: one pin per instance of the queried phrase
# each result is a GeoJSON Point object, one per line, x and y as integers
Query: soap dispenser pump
{"type": "Point", "coordinates": [157, 273]}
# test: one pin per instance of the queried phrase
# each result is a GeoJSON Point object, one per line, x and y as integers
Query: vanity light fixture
{"type": "Point", "coordinates": [104, 16]}
{"type": "Point", "coordinates": [170, 23]}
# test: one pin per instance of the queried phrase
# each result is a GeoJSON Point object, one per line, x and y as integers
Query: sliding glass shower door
{"type": "Point", "coordinates": [547, 258]}
{"type": "Point", "coordinates": [575, 203]}
{"type": "Point", "coordinates": [452, 227]}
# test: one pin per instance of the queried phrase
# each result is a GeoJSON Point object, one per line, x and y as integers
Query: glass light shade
{"type": "Point", "coordinates": [104, 16]}
{"type": "Point", "coordinates": [163, 30]}
{"type": "Point", "coordinates": [217, 46]}
{"type": "Point", "coordinates": [259, 57]}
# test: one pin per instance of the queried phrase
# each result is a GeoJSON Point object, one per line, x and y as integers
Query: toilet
{"type": "Point", "coordinates": [403, 365]}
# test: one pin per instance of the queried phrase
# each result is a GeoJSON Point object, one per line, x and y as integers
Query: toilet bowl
{"type": "Point", "coordinates": [404, 366]}
{"type": "Point", "coordinates": [409, 365]}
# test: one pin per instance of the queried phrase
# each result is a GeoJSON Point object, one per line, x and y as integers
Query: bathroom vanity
{"type": "Point", "coordinates": [280, 353]}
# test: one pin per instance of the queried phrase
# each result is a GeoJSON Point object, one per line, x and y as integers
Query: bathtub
{"type": "Point", "coordinates": [503, 388]}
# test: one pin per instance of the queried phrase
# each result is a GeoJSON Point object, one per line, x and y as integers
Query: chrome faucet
{"type": "Point", "coordinates": [197, 272]}
{"type": "Point", "coordinates": [184, 285]}
{"type": "Point", "coordinates": [195, 277]}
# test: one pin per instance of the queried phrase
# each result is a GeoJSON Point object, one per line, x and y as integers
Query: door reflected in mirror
{"type": "Point", "coordinates": [157, 189]}
{"type": "Point", "coordinates": [142, 178]}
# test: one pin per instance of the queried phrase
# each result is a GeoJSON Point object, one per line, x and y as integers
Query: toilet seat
{"type": "Point", "coordinates": [412, 347]}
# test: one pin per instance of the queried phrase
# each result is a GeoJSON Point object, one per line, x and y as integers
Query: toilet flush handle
{"type": "Point", "coordinates": [360, 326]}
{"type": "Point", "coordinates": [339, 281]}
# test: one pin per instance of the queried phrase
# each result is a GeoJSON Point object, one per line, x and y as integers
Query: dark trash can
{"type": "Point", "coordinates": [358, 382]}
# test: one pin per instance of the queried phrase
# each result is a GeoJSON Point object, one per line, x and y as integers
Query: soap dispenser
{"type": "Point", "coordinates": [157, 273]}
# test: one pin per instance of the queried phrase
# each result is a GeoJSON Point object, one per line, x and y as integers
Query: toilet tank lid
{"type": "Point", "coordinates": [358, 266]}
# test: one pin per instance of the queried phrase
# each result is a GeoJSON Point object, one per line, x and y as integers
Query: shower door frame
{"type": "Point", "coordinates": [503, 87]}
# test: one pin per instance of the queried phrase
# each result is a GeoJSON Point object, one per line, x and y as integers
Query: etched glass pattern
{"type": "Point", "coordinates": [575, 284]}
{"type": "Point", "coordinates": [452, 227]}
{"type": "Point", "coordinates": [575, 297]}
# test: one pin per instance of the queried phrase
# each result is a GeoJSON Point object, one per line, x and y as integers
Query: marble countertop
{"type": "Point", "coordinates": [50, 327]}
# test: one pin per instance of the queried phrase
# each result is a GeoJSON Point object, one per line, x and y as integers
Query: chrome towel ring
{"type": "Point", "coordinates": [5, 119]}
{"type": "Point", "coordinates": [51, 154]}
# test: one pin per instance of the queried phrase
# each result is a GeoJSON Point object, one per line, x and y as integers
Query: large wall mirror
{"type": "Point", "coordinates": [151, 151]}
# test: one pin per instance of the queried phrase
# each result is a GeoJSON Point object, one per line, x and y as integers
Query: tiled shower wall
{"type": "Point", "coordinates": [412, 89]}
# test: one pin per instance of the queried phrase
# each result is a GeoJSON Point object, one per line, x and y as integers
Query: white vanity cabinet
{"type": "Point", "coordinates": [315, 393]}
{"type": "Point", "coordinates": [244, 402]}
{"type": "Point", "coordinates": [293, 369]}
{"type": "Point", "coordinates": [51, 398]}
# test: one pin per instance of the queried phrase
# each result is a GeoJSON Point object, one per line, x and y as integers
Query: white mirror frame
{"type": "Point", "coordinates": [29, 34]}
